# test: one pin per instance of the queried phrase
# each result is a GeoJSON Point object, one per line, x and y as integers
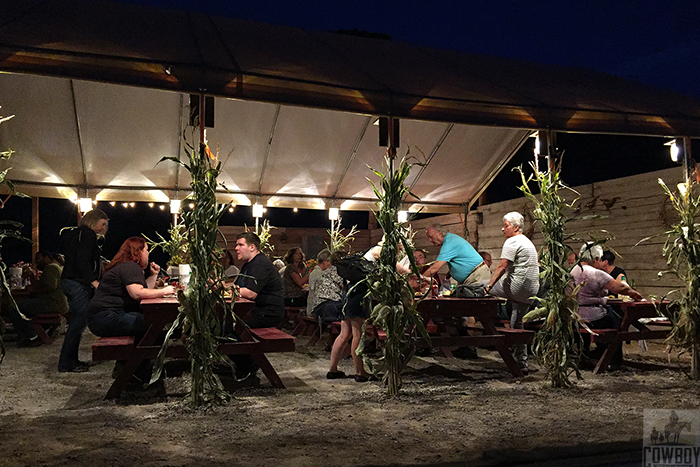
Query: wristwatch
{"type": "Point", "coordinates": [487, 288]}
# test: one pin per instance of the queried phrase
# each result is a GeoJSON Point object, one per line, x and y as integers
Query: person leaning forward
{"type": "Point", "coordinates": [465, 264]}
{"type": "Point", "coordinates": [259, 281]}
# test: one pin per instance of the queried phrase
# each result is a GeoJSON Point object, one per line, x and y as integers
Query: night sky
{"type": "Point", "coordinates": [653, 42]}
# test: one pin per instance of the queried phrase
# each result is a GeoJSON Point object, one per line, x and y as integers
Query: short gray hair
{"type": "Point", "coordinates": [515, 219]}
{"type": "Point", "coordinates": [323, 255]}
{"type": "Point", "coordinates": [590, 252]}
{"type": "Point", "coordinates": [440, 228]}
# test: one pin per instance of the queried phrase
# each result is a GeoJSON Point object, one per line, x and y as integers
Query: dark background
{"type": "Point", "coordinates": [656, 43]}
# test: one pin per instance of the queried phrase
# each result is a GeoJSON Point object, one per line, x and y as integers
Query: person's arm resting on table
{"type": "Point", "coordinates": [139, 292]}
{"type": "Point", "coordinates": [434, 268]}
{"type": "Point", "coordinates": [622, 288]}
{"type": "Point", "coordinates": [248, 294]}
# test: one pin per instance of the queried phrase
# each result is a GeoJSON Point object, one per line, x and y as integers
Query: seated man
{"type": "Point", "coordinates": [47, 297]}
{"type": "Point", "coordinates": [488, 259]}
{"type": "Point", "coordinates": [607, 264]}
{"type": "Point", "coordinates": [421, 257]}
{"type": "Point", "coordinates": [466, 265]}
{"type": "Point", "coordinates": [329, 292]}
{"type": "Point", "coordinates": [264, 286]}
{"type": "Point", "coordinates": [323, 261]}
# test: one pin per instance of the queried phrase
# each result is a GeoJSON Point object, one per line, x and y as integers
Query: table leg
{"type": "Point", "coordinates": [267, 369]}
{"type": "Point", "coordinates": [501, 346]}
{"type": "Point", "coordinates": [607, 356]}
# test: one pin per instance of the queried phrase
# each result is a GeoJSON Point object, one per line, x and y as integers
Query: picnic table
{"type": "Point", "coordinates": [484, 310]}
{"type": "Point", "coordinates": [631, 313]}
{"type": "Point", "coordinates": [159, 312]}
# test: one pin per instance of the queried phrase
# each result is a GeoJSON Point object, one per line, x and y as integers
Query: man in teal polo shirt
{"type": "Point", "coordinates": [465, 263]}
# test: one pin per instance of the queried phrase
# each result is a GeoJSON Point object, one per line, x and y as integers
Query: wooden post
{"type": "Point", "coordinates": [695, 354]}
{"type": "Point", "coordinates": [35, 227]}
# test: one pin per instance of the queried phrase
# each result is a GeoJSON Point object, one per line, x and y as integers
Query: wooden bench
{"type": "Point", "coordinates": [274, 340]}
{"type": "Point", "coordinates": [112, 348]}
{"type": "Point", "coordinates": [38, 322]}
{"type": "Point", "coordinates": [123, 348]}
{"type": "Point", "coordinates": [517, 336]}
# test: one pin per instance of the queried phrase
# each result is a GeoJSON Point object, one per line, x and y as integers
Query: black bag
{"type": "Point", "coordinates": [354, 268]}
{"type": "Point", "coordinates": [470, 291]}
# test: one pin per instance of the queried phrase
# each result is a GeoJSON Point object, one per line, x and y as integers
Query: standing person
{"type": "Point", "coordinates": [259, 281]}
{"type": "Point", "coordinates": [356, 310]}
{"type": "Point", "coordinates": [294, 278]}
{"type": "Point", "coordinates": [47, 297]}
{"type": "Point", "coordinates": [516, 277]}
{"type": "Point", "coordinates": [466, 265]}
{"type": "Point", "coordinates": [79, 279]}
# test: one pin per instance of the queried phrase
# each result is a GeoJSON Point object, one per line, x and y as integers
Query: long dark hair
{"type": "Point", "coordinates": [129, 252]}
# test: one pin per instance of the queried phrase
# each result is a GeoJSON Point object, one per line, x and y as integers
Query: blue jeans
{"type": "Point", "coordinates": [110, 323]}
{"type": "Point", "coordinates": [79, 296]}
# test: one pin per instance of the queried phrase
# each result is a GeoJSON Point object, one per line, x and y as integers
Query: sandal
{"type": "Point", "coordinates": [335, 375]}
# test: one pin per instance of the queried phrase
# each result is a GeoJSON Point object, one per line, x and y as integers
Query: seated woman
{"type": "Point", "coordinates": [47, 297]}
{"type": "Point", "coordinates": [114, 310]}
{"type": "Point", "coordinates": [592, 299]}
{"type": "Point", "coordinates": [294, 278]}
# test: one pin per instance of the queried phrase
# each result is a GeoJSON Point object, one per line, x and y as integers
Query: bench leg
{"type": "Point", "coordinates": [122, 379]}
{"type": "Point", "coordinates": [267, 369]}
{"type": "Point", "coordinates": [607, 357]}
{"type": "Point", "coordinates": [39, 330]}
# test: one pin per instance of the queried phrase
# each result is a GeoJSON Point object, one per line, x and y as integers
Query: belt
{"type": "Point", "coordinates": [477, 267]}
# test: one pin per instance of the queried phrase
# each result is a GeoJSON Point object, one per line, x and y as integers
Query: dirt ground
{"type": "Point", "coordinates": [450, 412]}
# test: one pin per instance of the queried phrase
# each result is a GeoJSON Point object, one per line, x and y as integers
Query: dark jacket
{"type": "Point", "coordinates": [82, 252]}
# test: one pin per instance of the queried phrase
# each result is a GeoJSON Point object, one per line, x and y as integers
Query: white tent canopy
{"type": "Point", "coordinates": [98, 103]}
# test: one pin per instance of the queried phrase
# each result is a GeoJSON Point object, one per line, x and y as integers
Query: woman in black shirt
{"type": "Point", "coordinates": [115, 310]}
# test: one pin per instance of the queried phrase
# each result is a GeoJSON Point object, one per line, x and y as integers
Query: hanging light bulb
{"type": "Point", "coordinates": [333, 214]}
{"type": "Point", "coordinates": [84, 204]}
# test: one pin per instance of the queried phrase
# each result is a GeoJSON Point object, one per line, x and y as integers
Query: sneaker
{"type": "Point", "coordinates": [32, 342]}
{"type": "Point", "coordinates": [79, 367]}
{"type": "Point", "coordinates": [75, 369]}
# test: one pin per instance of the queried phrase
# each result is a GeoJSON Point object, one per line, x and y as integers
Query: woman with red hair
{"type": "Point", "coordinates": [115, 310]}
